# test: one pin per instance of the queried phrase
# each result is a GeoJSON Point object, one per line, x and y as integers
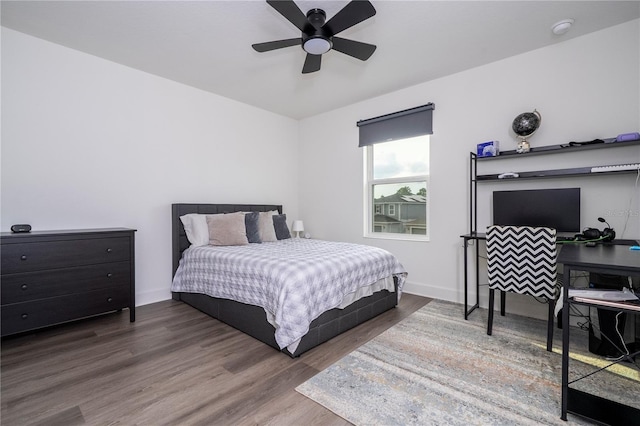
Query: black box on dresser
{"type": "Point", "coordinates": [52, 277]}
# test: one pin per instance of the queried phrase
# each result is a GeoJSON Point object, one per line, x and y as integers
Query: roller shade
{"type": "Point", "coordinates": [398, 125]}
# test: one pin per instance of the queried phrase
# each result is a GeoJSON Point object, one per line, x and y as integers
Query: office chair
{"type": "Point", "coordinates": [522, 259]}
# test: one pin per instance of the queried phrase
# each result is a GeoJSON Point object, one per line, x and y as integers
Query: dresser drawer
{"type": "Point", "coordinates": [19, 317]}
{"type": "Point", "coordinates": [58, 282]}
{"type": "Point", "coordinates": [26, 257]}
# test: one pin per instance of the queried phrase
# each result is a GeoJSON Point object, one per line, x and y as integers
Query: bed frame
{"type": "Point", "coordinates": [252, 319]}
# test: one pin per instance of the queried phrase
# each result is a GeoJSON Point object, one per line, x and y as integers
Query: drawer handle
{"type": "Point", "coordinates": [109, 275]}
{"type": "Point", "coordinates": [25, 316]}
{"type": "Point", "coordinates": [23, 286]}
{"type": "Point", "coordinates": [109, 299]}
{"type": "Point", "coordinates": [109, 250]}
{"type": "Point", "coordinates": [23, 257]}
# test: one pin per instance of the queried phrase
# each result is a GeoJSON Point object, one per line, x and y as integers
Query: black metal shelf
{"type": "Point", "coordinates": [561, 149]}
{"type": "Point", "coordinates": [540, 174]}
{"type": "Point", "coordinates": [474, 178]}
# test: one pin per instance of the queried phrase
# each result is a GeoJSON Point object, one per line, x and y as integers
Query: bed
{"type": "Point", "coordinates": [253, 319]}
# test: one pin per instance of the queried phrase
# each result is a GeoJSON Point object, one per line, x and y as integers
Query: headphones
{"type": "Point", "coordinates": [607, 234]}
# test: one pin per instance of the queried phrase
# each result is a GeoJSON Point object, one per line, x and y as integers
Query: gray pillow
{"type": "Point", "coordinates": [280, 224]}
{"type": "Point", "coordinates": [251, 225]}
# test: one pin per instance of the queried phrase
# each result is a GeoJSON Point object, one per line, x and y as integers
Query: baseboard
{"type": "Point", "coordinates": [421, 289]}
{"type": "Point", "coordinates": [516, 303]}
{"type": "Point", "coordinates": [149, 297]}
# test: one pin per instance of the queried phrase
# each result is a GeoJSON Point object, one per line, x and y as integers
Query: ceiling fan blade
{"type": "Point", "coordinates": [353, 13]}
{"type": "Point", "coordinates": [291, 11]}
{"type": "Point", "coordinates": [357, 49]}
{"type": "Point", "coordinates": [312, 63]}
{"type": "Point", "coordinates": [278, 44]}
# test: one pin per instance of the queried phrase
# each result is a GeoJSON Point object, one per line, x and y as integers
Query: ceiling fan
{"type": "Point", "coordinates": [318, 36]}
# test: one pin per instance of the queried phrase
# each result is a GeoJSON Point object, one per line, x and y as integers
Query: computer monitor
{"type": "Point", "coordinates": [553, 208]}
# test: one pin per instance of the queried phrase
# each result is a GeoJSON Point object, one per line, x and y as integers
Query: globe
{"type": "Point", "coordinates": [526, 123]}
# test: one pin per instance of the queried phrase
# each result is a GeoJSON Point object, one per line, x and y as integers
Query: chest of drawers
{"type": "Point", "coordinates": [51, 277]}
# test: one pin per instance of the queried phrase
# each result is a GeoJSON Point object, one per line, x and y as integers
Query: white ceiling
{"type": "Point", "coordinates": [207, 44]}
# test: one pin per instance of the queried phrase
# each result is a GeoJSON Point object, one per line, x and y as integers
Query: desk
{"type": "Point", "coordinates": [605, 259]}
{"type": "Point", "coordinates": [474, 236]}
{"type": "Point", "coordinates": [479, 236]}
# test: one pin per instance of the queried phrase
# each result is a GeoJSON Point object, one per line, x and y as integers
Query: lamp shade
{"type": "Point", "coordinates": [298, 226]}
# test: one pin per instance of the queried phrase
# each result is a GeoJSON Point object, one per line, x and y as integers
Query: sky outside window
{"type": "Point", "coordinates": [398, 159]}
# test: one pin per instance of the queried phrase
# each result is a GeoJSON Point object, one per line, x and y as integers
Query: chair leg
{"type": "Point", "coordinates": [550, 326]}
{"type": "Point", "coordinates": [503, 302]}
{"type": "Point", "coordinates": [490, 320]}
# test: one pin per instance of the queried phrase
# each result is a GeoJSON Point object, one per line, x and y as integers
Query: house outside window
{"type": "Point", "coordinates": [397, 187]}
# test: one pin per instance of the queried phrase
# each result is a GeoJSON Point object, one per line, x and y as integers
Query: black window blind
{"type": "Point", "coordinates": [404, 124]}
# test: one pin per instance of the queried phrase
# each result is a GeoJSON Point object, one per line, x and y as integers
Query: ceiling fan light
{"type": "Point", "coordinates": [316, 45]}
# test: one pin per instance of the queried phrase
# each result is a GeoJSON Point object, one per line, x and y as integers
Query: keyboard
{"type": "Point", "coordinates": [615, 168]}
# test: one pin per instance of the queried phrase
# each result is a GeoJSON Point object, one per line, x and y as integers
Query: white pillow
{"type": "Point", "coordinates": [265, 225]}
{"type": "Point", "coordinates": [195, 226]}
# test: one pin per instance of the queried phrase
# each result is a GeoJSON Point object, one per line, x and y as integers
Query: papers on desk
{"type": "Point", "coordinates": [617, 299]}
{"type": "Point", "coordinates": [624, 299]}
{"type": "Point", "coordinates": [612, 295]}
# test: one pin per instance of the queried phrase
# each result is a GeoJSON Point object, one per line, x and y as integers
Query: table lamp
{"type": "Point", "coordinates": [298, 227]}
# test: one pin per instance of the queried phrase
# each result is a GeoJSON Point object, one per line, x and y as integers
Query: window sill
{"type": "Point", "coordinates": [398, 237]}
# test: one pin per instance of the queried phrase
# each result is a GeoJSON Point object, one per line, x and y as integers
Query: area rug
{"type": "Point", "coordinates": [435, 368]}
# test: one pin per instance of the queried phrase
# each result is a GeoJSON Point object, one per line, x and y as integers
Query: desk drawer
{"type": "Point", "coordinates": [27, 257]}
{"type": "Point", "coordinates": [58, 282]}
{"type": "Point", "coordinates": [19, 317]}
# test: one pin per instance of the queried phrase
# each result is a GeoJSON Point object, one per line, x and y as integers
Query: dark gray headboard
{"type": "Point", "coordinates": [179, 242]}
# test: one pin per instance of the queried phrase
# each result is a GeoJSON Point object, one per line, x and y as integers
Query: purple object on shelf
{"type": "Point", "coordinates": [488, 149]}
{"type": "Point", "coordinates": [623, 137]}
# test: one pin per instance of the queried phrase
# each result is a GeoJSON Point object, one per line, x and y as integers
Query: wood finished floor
{"type": "Point", "coordinates": [173, 366]}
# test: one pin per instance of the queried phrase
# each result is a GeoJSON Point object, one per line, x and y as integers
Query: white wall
{"type": "Point", "coordinates": [585, 88]}
{"type": "Point", "coordinates": [87, 143]}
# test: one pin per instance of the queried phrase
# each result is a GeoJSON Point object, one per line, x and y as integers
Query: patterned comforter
{"type": "Point", "coordinates": [294, 280]}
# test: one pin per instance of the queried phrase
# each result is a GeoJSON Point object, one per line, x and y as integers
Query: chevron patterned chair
{"type": "Point", "coordinates": [522, 259]}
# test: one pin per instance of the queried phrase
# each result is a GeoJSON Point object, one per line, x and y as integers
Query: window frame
{"type": "Point", "coordinates": [369, 208]}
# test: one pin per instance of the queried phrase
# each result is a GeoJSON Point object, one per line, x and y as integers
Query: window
{"type": "Point", "coordinates": [392, 209]}
{"type": "Point", "coordinates": [396, 153]}
{"type": "Point", "coordinates": [397, 179]}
